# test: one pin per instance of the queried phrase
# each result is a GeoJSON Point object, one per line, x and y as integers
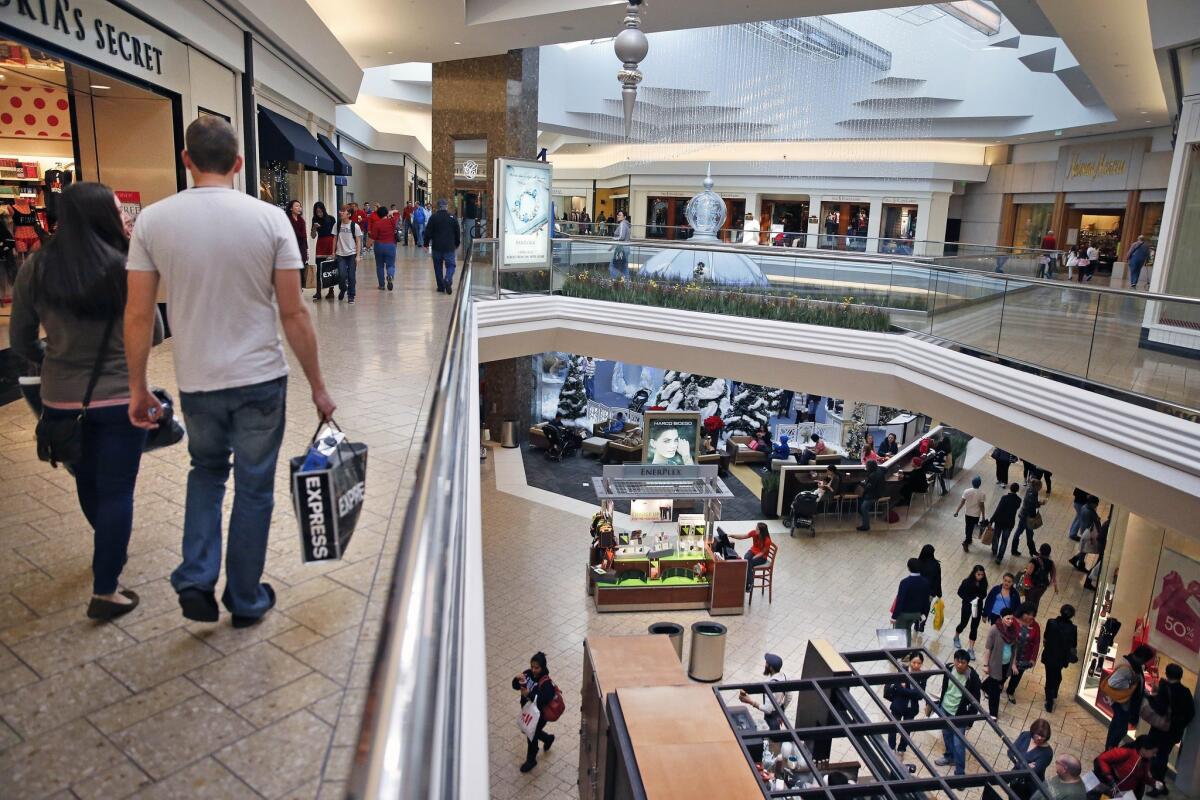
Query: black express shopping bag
{"type": "Point", "coordinates": [328, 275]}
{"type": "Point", "coordinates": [328, 487]}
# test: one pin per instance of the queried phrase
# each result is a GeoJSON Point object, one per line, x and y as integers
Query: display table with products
{"type": "Point", "coordinates": [668, 564]}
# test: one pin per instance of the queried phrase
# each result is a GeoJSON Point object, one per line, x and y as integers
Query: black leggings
{"type": "Point", "coordinates": [992, 688]}
{"type": "Point", "coordinates": [531, 749]}
{"type": "Point", "coordinates": [963, 619]}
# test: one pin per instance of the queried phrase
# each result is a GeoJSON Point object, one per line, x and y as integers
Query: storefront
{"type": "Point", "coordinates": [844, 225]}
{"type": "Point", "coordinates": [1148, 592]}
{"type": "Point", "coordinates": [899, 226]}
{"type": "Point", "coordinates": [666, 219]}
{"type": "Point", "coordinates": [788, 216]}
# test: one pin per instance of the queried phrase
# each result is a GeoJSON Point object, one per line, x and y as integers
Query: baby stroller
{"type": "Point", "coordinates": [803, 513]}
{"type": "Point", "coordinates": [561, 444]}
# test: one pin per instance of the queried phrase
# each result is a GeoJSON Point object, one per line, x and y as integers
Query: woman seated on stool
{"type": "Point", "coordinates": [760, 543]}
{"type": "Point", "coordinates": [828, 486]}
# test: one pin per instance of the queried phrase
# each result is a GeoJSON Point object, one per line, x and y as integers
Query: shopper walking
{"type": "Point", "coordinates": [1078, 501]}
{"type": "Point", "coordinates": [1136, 259]}
{"type": "Point", "coordinates": [931, 570]}
{"type": "Point", "coordinates": [1174, 706]}
{"type": "Point", "coordinates": [224, 293]}
{"type": "Point", "coordinates": [382, 231]}
{"type": "Point", "coordinates": [913, 597]}
{"type": "Point", "coordinates": [1025, 651]}
{"type": "Point", "coordinates": [1034, 745]}
{"type": "Point", "coordinates": [961, 690]}
{"type": "Point", "coordinates": [1086, 528]}
{"type": "Point", "coordinates": [417, 222]}
{"type": "Point", "coordinates": [998, 653]}
{"type": "Point", "coordinates": [74, 288]}
{"type": "Point", "coordinates": [1003, 598]}
{"type": "Point", "coordinates": [348, 250]}
{"type": "Point", "coordinates": [1129, 676]}
{"type": "Point", "coordinates": [972, 591]}
{"type": "Point", "coordinates": [1124, 769]}
{"type": "Point", "coordinates": [296, 217]}
{"type": "Point", "coordinates": [773, 672]}
{"type": "Point", "coordinates": [1004, 460]}
{"type": "Point", "coordinates": [1042, 576]}
{"type": "Point", "coordinates": [1028, 517]}
{"type": "Point", "coordinates": [905, 698]}
{"type": "Point", "coordinates": [1003, 519]}
{"type": "Point", "coordinates": [406, 216]}
{"type": "Point", "coordinates": [322, 231]}
{"type": "Point", "coordinates": [1059, 651]}
{"type": "Point", "coordinates": [872, 485]}
{"type": "Point", "coordinates": [535, 683]}
{"type": "Point", "coordinates": [441, 240]}
{"type": "Point", "coordinates": [972, 501]}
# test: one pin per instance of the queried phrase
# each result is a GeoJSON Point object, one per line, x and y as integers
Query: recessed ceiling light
{"type": "Point", "coordinates": [389, 52]}
{"type": "Point", "coordinates": [458, 42]}
{"type": "Point", "coordinates": [1145, 112]}
{"type": "Point", "coordinates": [100, 86]}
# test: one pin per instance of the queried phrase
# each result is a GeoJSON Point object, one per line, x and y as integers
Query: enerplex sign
{"type": "Point", "coordinates": [104, 33]}
{"type": "Point", "coordinates": [1175, 608]}
{"type": "Point", "coordinates": [522, 207]}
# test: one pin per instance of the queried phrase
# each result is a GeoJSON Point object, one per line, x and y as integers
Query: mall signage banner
{"type": "Point", "coordinates": [522, 199]}
{"type": "Point", "coordinates": [670, 438]}
{"type": "Point", "coordinates": [1175, 608]}
{"type": "Point", "coordinates": [102, 32]}
{"type": "Point", "coordinates": [1105, 166]}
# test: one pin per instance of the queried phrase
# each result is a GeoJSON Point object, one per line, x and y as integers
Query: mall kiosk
{"type": "Point", "coordinates": [666, 564]}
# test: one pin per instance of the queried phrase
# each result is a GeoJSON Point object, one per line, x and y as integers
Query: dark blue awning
{"type": "Point", "coordinates": [280, 139]}
{"type": "Point", "coordinates": [341, 165]}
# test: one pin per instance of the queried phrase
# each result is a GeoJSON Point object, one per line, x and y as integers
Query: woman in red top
{"type": "Point", "coordinates": [296, 217]}
{"type": "Point", "coordinates": [1126, 768]}
{"type": "Point", "coordinates": [383, 233]}
{"type": "Point", "coordinates": [760, 546]}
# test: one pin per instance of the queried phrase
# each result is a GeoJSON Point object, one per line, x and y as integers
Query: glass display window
{"type": "Point", "coordinates": [1033, 220]}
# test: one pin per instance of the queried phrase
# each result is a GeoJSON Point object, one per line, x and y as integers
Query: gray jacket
{"type": "Point", "coordinates": [622, 233]}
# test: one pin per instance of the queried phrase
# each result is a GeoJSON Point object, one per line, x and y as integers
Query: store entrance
{"type": "Point", "coordinates": [791, 217]}
{"type": "Point", "coordinates": [1100, 228]}
{"type": "Point", "coordinates": [62, 122]}
{"type": "Point", "coordinates": [844, 226]}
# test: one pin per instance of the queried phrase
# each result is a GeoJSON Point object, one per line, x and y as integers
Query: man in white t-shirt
{"type": "Point", "coordinates": [773, 671]}
{"type": "Point", "coordinates": [972, 500]}
{"type": "Point", "coordinates": [347, 250]}
{"type": "Point", "coordinates": [227, 260]}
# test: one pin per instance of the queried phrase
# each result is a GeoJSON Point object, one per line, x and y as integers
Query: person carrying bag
{"type": "Point", "coordinates": [329, 484]}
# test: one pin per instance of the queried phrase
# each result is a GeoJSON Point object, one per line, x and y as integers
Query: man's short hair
{"type": "Point", "coordinates": [1174, 672]}
{"type": "Point", "coordinates": [211, 144]}
{"type": "Point", "coordinates": [1071, 765]}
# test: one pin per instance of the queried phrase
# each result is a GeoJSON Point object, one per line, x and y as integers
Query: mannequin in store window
{"type": "Point", "coordinates": [27, 227]}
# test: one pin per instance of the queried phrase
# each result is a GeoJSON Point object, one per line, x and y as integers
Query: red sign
{"type": "Point", "coordinates": [1175, 608]}
{"type": "Point", "coordinates": [131, 203]}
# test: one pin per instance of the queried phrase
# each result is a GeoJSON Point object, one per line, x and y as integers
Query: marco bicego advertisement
{"type": "Point", "coordinates": [524, 191]}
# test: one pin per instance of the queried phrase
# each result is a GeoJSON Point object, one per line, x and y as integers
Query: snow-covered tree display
{"type": "Point", "coordinates": [646, 380]}
{"type": "Point", "coordinates": [856, 431]}
{"type": "Point", "coordinates": [572, 400]}
{"type": "Point", "coordinates": [686, 391]}
{"type": "Point", "coordinates": [619, 386]}
{"type": "Point", "coordinates": [750, 410]}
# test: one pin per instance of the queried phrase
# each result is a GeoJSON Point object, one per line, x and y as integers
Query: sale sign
{"type": "Point", "coordinates": [1175, 609]}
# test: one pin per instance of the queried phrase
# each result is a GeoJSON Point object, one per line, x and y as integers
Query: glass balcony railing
{"type": "Point", "coordinates": [1111, 339]}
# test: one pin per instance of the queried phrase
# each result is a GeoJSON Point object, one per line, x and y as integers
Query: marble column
{"type": "Point", "coordinates": [493, 98]}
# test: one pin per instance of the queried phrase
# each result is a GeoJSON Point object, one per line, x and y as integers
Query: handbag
{"type": "Point", "coordinates": [1035, 520]}
{"type": "Point", "coordinates": [1160, 722]}
{"type": "Point", "coordinates": [1114, 694]}
{"type": "Point", "coordinates": [60, 439]}
{"type": "Point", "coordinates": [939, 614]}
{"type": "Point", "coordinates": [1090, 543]}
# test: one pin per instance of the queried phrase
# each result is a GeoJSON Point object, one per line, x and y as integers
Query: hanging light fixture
{"type": "Point", "coordinates": [631, 47]}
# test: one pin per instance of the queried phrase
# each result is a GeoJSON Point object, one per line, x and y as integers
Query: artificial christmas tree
{"type": "Point", "coordinates": [750, 411]}
{"type": "Point", "coordinates": [856, 432]}
{"type": "Point", "coordinates": [572, 399]}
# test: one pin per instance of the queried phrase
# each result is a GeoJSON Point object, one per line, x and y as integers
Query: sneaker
{"type": "Point", "coordinates": [971, 654]}
{"type": "Point", "coordinates": [351, 301]}
{"type": "Point", "coordinates": [389, 284]}
{"type": "Point", "coordinates": [944, 761]}
{"type": "Point", "coordinates": [317, 298]}
{"type": "Point", "coordinates": [957, 642]}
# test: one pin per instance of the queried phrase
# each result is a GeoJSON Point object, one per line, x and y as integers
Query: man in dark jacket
{"type": "Point", "coordinates": [1061, 640]}
{"type": "Point", "coordinates": [954, 702]}
{"type": "Point", "coordinates": [1174, 702]}
{"type": "Point", "coordinates": [1004, 518]}
{"type": "Point", "coordinates": [872, 485]}
{"type": "Point", "coordinates": [912, 598]}
{"type": "Point", "coordinates": [442, 239]}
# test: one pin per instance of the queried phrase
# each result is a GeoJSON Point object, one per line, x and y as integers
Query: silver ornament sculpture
{"type": "Point", "coordinates": [631, 46]}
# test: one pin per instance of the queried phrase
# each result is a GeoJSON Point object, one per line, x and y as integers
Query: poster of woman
{"type": "Point", "coordinates": [671, 438]}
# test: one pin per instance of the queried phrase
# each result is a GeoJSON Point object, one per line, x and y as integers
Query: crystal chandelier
{"type": "Point", "coordinates": [631, 47]}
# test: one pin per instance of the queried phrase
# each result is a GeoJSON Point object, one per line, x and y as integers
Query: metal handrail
{"type": "Point", "coordinates": [408, 744]}
{"type": "Point", "coordinates": [883, 258]}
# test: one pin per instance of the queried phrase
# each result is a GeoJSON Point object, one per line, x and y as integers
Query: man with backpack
{"type": "Point", "coordinates": [538, 690]}
{"type": "Point", "coordinates": [347, 250]}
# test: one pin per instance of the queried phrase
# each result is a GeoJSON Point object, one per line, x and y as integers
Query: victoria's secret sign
{"type": "Point", "coordinates": [69, 18]}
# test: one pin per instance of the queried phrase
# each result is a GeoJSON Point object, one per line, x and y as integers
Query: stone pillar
{"type": "Point", "coordinates": [493, 98]}
{"type": "Point", "coordinates": [508, 393]}
{"type": "Point", "coordinates": [875, 224]}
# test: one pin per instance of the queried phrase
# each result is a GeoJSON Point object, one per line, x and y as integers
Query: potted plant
{"type": "Point", "coordinates": [770, 495]}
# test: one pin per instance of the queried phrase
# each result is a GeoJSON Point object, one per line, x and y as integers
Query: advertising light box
{"type": "Point", "coordinates": [523, 199]}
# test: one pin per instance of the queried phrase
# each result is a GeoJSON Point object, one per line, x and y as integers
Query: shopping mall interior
{"type": "Point", "coordinates": [807, 290]}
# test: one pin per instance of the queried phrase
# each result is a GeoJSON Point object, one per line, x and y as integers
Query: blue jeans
{"type": "Point", "coordinates": [419, 233]}
{"type": "Point", "coordinates": [104, 481]}
{"type": "Point", "coordinates": [1023, 526]}
{"type": "Point", "coordinates": [443, 268]}
{"type": "Point", "coordinates": [245, 423]}
{"type": "Point", "coordinates": [385, 261]}
{"type": "Point", "coordinates": [956, 747]}
{"type": "Point", "coordinates": [1075, 523]}
{"type": "Point", "coordinates": [347, 274]}
{"type": "Point", "coordinates": [1000, 542]}
{"type": "Point", "coordinates": [865, 506]}
{"type": "Point", "coordinates": [1135, 274]}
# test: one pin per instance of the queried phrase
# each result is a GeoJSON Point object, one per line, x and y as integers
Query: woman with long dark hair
{"type": "Point", "coordinates": [74, 287]}
{"type": "Point", "coordinates": [295, 213]}
{"type": "Point", "coordinates": [535, 683]}
{"type": "Point", "coordinates": [322, 231]}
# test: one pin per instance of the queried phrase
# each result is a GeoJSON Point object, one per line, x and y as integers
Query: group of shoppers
{"type": "Point", "coordinates": [94, 291]}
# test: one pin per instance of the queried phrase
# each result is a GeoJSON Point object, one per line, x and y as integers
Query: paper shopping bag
{"type": "Point", "coordinates": [328, 487]}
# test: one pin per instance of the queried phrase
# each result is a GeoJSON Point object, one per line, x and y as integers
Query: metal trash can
{"type": "Point", "coordinates": [673, 630]}
{"type": "Point", "coordinates": [508, 433]}
{"type": "Point", "coordinates": [706, 661]}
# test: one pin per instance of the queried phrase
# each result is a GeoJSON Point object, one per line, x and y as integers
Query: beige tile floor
{"type": "Point", "coordinates": [837, 586]}
{"type": "Point", "coordinates": [155, 706]}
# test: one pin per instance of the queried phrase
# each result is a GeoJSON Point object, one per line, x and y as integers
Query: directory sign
{"type": "Point", "coordinates": [523, 199]}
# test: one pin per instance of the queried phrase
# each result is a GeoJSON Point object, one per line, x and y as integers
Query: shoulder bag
{"type": "Point", "coordinates": [60, 439]}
